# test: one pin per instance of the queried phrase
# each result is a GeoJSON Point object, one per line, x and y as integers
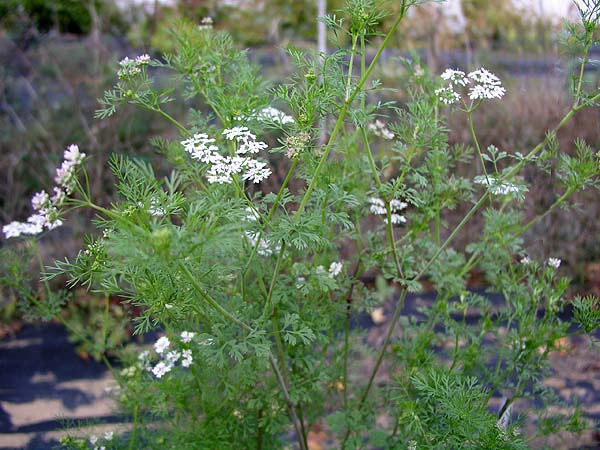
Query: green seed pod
{"type": "Point", "coordinates": [161, 239]}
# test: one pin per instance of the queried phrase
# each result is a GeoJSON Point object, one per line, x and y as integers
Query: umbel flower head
{"type": "Point", "coordinates": [483, 85]}
{"type": "Point", "coordinates": [222, 168]}
{"type": "Point", "coordinates": [47, 207]}
{"type": "Point", "coordinates": [377, 206]}
{"type": "Point", "coordinates": [129, 68]}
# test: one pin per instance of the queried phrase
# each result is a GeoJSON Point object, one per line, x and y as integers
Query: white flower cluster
{"type": "Point", "coordinates": [107, 438]}
{"type": "Point", "coordinates": [264, 248]}
{"type": "Point", "coordinates": [154, 209]}
{"type": "Point", "coordinates": [169, 357]}
{"type": "Point", "coordinates": [267, 115]}
{"type": "Point", "coordinates": [47, 206]}
{"type": "Point", "coordinates": [270, 114]}
{"type": "Point", "coordinates": [335, 268]}
{"type": "Point", "coordinates": [222, 168]}
{"type": "Point", "coordinates": [554, 262]}
{"type": "Point", "coordinates": [497, 187]}
{"type": "Point", "coordinates": [483, 85]}
{"type": "Point", "coordinates": [206, 24]}
{"type": "Point", "coordinates": [380, 129]}
{"type": "Point", "coordinates": [378, 207]}
{"type": "Point", "coordinates": [129, 68]}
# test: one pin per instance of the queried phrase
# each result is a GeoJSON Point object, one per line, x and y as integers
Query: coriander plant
{"type": "Point", "coordinates": [249, 257]}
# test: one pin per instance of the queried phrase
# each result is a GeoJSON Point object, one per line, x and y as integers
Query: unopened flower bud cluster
{"type": "Point", "coordinates": [46, 205]}
{"type": "Point", "coordinates": [483, 85]}
{"type": "Point", "coordinates": [377, 206]}
{"type": "Point", "coordinates": [296, 144]}
{"type": "Point", "coordinates": [222, 168]}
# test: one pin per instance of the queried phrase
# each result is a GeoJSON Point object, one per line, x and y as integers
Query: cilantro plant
{"type": "Point", "coordinates": [248, 258]}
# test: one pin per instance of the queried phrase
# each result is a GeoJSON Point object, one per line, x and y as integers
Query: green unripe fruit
{"type": "Point", "coordinates": [161, 239]}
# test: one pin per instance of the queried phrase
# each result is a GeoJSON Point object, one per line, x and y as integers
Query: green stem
{"type": "Point", "coordinates": [211, 301]}
{"type": "Point", "coordinates": [292, 409]}
{"type": "Point", "coordinates": [134, 426]}
{"type": "Point", "coordinates": [40, 262]}
{"type": "Point", "coordinates": [340, 120]}
{"type": "Point", "coordinates": [584, 60]}
{"type": "Point", "coordinates": [350, 67]}
{"type": "Point", "coordinates": [270, 215]}
{"type": "Point", "coordinates": [476, 141]}
{"type": "Point", "coordinates": [242, 192]}
{"type": "Point", "coordinates": [166, 115]}
{"type": "Point", "coordinates": [388, 212]}
{"type": "Point", "coordinates": [268, 299]}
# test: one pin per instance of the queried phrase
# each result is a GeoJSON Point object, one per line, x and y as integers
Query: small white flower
{"type": "Point", "coordinates": [161, 345]}
{"type": "Point", "coordinates": [155, 209]}
{"type": "Point", "coordinates": [187, 358]}
{"type": "Point", "coordinates": [380, 129]}
{"type": "Point", "coordinates": [13, 229]}
{"type": "Point", "coordinates": [238, 133]}
{"type": "Point", "coordinates": [270, 114]}
{"type": "Point", "coordinates": [129, 68]}
{"type": "Point", "coordinates": [378, 207]}
{"type": "Point", "coordinates": [554, 262]}
{"type": "Point", "coordinates": [187, 336]}
{"type": "Point", "coordinates": [335, 268]}
{"type": "Point", "coordinates": [485, 77]}
{"type": "Point", "coordinates": [264, 248]}
{"type": "Point", "coordinates": [525, 260]}
{"type": "Point", "coordinates": [39, 200]}
{"type": "Point", "coordinates": [161, 369]}
{"type": "Point", "coordinates": [206, 24]}
{"type": "Point", "coordinates": [143, 59]}
{"type": "Point", "coordinates": [222, 168]}
{"type": "Point", "coordinates": [455, 77]}
{"type": "Point", "coordinates": [397, 205]}
{"type": "Point", "coordinates": [396, 219]}
{"type": "Point", "coordinates": [497, 187]}
{"type": "Point", "coordinates": [93, 439]}
{"type": "Point", "coordinates": [256, 171]}
{"type": "Point", "coordinates": [172, 357]}
{"type": "Point", "coordinates": [47, 213]}
{"type": "Point", "coordinates": [486, 92]}
{"type": "Point", "coordinates": [447, 95]}
{"type": "Point", "coordinates": [108, 435]}
{"type": "Point", "coordinates": [488, 85]}
{"type": "Point", "coordinates": [59, 196]}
